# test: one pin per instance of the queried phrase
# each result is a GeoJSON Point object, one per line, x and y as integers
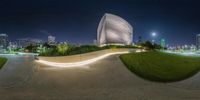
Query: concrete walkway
{"type": "Point", "coordinates": [17, 70]}
{"type": "Point", "coordinates": [107, 79]}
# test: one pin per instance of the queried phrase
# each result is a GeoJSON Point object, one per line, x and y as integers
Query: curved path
{"type": "Point", "coordinates": [82, 59]}
{"type": "Point", "coordinates": [79, 63]}
{"type": "Point", "coordinates": [107, 79]}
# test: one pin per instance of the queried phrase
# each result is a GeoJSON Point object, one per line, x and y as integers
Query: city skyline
{"type": "Point", "coordinates": [99, 49]}
{"type": "Point", "coordinates": [77, 23]}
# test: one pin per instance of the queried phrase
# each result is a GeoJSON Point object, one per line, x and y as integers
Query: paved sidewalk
{"type": "Point", "coordinates": [107, 79]}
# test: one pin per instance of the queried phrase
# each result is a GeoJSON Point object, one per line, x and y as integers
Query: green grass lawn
{"type": "Point", "coordinates": [2, 61]}
{"type": "Point", "coordinates": [162, 67]}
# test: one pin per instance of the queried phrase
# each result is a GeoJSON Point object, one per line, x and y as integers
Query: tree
{"type": "Point", "coordinates": [31, 48]}
{"type": "Point", "coordinates": [62, 48]}
{"type": "Point", "coordinates": [148, 45]}
{"type": "Point", "coordinates": [157, 46]}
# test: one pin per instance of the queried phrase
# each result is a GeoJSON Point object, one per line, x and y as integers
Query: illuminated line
{"type": "Point", "coordinates": [81, 63]}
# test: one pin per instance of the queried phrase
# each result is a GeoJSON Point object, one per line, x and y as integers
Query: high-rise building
{"type": "Point", "coordinates": [198, 41]}
{"type": "Point", "coordinates": [114, 30]}
{"type": "Point", "coordinates": [3, 41]}
{"type": "Point", "coordinates": [162, 43]}
{"type": "Point", "coordinates": [51, 39]}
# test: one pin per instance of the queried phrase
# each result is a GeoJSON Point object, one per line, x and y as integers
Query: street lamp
{"type": "Point", "coordinates": [153, 35]}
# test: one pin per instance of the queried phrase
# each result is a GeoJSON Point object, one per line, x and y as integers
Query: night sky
{"type": "Point", "coordinates": [178, 21]}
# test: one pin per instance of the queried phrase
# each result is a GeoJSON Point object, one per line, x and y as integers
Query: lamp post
{"type": "Point", "coordinates": [153, 36]}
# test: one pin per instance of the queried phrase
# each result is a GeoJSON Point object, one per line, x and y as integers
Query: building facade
{"type": "Point", "coordinates": [3, 41]}
{"type": "Point", "coordinates": [114, 30]}
{"type": "Point", "coordinates": [198, 41]}
{"type": "Point", "coordinates": [28, 41]}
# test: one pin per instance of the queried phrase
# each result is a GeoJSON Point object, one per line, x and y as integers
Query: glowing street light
{"type": "Point", "coordinates": [153, 34]}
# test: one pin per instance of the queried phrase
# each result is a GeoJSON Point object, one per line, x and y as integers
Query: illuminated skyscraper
{"type": "Point", "coordinates": [113, 29]}
{"type": "Point", "coordinates": [162, 43]}
{"type": "Point", "coordinates": [4, 41]}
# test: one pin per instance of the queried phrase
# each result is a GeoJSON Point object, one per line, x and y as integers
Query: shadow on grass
{"type": "Point", "coordinates": [154, 78]}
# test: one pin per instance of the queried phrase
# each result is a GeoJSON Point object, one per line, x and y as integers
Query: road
{"type": "Point", "coordinates": [108, 79]}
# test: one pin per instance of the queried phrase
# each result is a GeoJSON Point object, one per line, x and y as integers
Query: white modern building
{"type": "Point", "coordinates": [198, 41]}
{"type": "Point", "coordinates": [114, 30]}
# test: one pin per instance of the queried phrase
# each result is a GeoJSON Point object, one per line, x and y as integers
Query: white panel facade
{"type": "Point", "coordinates": [113, 29]}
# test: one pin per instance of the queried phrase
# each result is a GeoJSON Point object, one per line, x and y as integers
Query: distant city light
{"type": "Point", "coordinates": [184, 53]}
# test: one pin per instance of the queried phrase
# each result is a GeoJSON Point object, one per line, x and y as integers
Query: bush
{"type": "Point", "coordinates": [64, 49]}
